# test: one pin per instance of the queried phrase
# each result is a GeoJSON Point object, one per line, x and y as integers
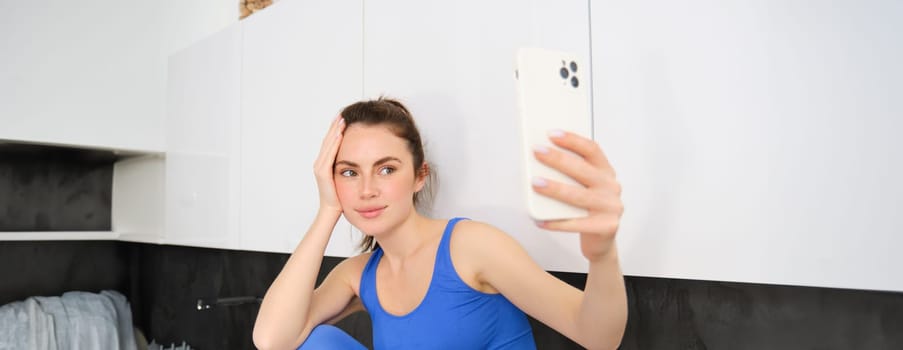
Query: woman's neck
{"type": "Point", "coordinates": [408, 239]}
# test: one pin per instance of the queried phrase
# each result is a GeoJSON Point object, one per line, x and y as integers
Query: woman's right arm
{"type": "Point", "coordinates": [291, 307]}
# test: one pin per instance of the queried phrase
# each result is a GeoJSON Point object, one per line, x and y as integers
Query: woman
{"type": "Point", "coordinates": [449, 284]}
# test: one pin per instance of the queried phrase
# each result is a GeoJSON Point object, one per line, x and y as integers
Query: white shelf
{"type": "Point", "coordinates": [58, 235]}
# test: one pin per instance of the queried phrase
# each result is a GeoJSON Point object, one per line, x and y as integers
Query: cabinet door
{"type": "Point", "coordinates": [452, 63]}
{"type": "Point", "coordinates": [301, 65]}
{"type": "Point", "coordinates": [756, 141]}
{"type": "Point", "coordinates": [202, 142]}
{"type": "Point", "coordinates": [83, 74]}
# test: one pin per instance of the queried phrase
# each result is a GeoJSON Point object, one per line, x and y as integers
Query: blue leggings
{"type": "Point", "coordinates": [326, 336]}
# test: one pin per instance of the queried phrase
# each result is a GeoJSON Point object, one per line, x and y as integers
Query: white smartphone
{"type": "Point", "coordinates": [552, 93]}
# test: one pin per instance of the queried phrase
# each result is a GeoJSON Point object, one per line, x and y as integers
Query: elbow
{"type": "Point", "coordinates": [262, 340]}
{"type": "Point", "coordinates": [263, 343]}
{"type": "Point", "coordinates": [615, 345]}
{"type": "Point", "coordinates": [266, 341]}
{"type": "Point", "coordinates": [601, 341]}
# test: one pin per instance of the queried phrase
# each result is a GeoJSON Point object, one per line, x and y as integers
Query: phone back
{"type": "Point", "coordinates": [552, 94]}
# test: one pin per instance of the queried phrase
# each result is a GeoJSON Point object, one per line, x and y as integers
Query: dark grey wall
{"type": "Point", "coordinates": [175, 277]}
{"type": "Point", "coordinates": [684, 314]}
{"type": "Point", "coordinates": [51, 268]}
{"type": "Point", "coordinates": [45, 188]}
{"type": "Point", "coordinates": [163, 282]}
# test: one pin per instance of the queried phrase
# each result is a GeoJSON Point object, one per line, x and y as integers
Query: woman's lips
{"type": "Point", "coordinates": [370, 213]}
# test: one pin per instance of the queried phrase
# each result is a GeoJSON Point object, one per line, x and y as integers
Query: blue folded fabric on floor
{"type": "Point", "coordinates": [75, 320]}
{"type": "Point", "coordinates": [326, 336]}
{"type": "Point", "coordinates": [23, 325]}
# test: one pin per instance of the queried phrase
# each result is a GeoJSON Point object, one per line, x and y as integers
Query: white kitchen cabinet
{"type": "Point", "coordinates": [92, 73]}
{"type": "Point", "coordinates": [203, 137]}
{"type": "Point", "coordinates": [452, 63]}
{"type": "Point", "coordinates": [138, 199]}
{"type": "Point", "coordinates": [756, 141]}
{"type": "Point", "coordinates": [302, 62]}
{"type": "Point", "coordinates": [83, 78]}
{"type": "Point", "coordinates": [136, 208]}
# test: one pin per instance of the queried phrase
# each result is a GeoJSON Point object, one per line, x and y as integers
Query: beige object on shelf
{"type": "Point", "coordinates": [248, 7]}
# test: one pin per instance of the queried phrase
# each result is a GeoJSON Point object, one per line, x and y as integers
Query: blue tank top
{"type": "Point", "coordinates": [452, 315]}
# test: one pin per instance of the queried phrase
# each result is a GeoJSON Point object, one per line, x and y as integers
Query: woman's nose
{"type": "Point", "coordinates": [368, 189]}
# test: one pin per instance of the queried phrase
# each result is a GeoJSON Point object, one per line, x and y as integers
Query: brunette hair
{"type": "Point", "coordinates": [395, 116]}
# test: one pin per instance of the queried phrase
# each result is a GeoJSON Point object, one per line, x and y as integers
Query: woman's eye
{"type": "Point", "coordinates": [347, 173]}
{"type": "Point", "coordinates": [386, 171]}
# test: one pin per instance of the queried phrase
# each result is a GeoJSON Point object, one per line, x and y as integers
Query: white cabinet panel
{"type": "Point", "coordinates": [202, 165]}
{"type": "Point", "coordinates": [756, 141]}
{"type": "Point", "coordinates": [88, 73]}
{"type": "Point", "coordinates": [138, 199]}
{"type": "Point", "coordinates": [452, 63]}
{"type": "Point", "coordinates": [302, 64]}
{"type": "Point", "coordinates": [187, 22]}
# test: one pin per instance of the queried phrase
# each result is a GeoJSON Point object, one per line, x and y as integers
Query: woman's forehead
{"type": "Point", "coordinates": [364, 144]}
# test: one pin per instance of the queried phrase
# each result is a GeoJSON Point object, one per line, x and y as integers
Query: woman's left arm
{"type": "Point", "coordinates": [603, 309]}
{"type": "Point", "coordinates": [595, 318]}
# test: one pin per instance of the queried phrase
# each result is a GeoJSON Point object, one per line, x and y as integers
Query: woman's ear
{"type": "Point", "coordinates": [422, 174]}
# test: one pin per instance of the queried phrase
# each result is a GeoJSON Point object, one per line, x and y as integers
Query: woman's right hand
{"type": "Point", "coordinates": [323, 167]}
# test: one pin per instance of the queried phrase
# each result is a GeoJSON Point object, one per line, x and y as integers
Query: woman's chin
{"type": "Point", "coordinates": [368, 227]}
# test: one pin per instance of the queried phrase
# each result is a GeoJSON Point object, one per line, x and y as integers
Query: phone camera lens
{"type": "Point", "coordinates": [564, 73]}
{"type": "Point", "coordinates": [573, 66]}
{"type": "Point", "coordinates": [575, 82]}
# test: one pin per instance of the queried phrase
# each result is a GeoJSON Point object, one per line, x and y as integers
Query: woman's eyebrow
{"type": "Point", "coordinates": [377, 163]}
{"type": "Point", "coordinates": [345, 162]}
{"type": "Point", "coordinates": [386, 160]}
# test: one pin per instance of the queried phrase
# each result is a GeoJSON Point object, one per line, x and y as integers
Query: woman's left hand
{"type": "Point", "coordinates": [600, 193]}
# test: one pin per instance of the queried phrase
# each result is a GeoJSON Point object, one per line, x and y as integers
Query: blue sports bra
{"type": "Point", "coordinates": [452, 315]}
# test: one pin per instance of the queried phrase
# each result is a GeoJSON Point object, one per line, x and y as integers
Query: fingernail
{"type": "Point", "coordinates": [556, 133]}
{"type": "Point", "coordinates": [539, 182]}
{"type": "Point", "coordinates": [541, 149]}
{"type": "Point", "coordinates": [540, 223]}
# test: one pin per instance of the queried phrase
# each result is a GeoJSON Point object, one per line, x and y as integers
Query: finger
{"type": "Point", "coordinates": [604, 198]}
{"type": "Point", "coordinates": [330, 145]}
{"type": "Point", "coordinates": [335, 141]}
{"type": "Point", "coordinates": [331, 132]}
{"type": "Point", "coordinates": [324, 145]}
{"type": "Point", "coordinates": [589, 224]}
{"type": "Point", "coordinates": [586, 148]}
{"type": "Point", "coordinates": [333, 148]}
{"type": "Point", "coordinates": [571, 165]}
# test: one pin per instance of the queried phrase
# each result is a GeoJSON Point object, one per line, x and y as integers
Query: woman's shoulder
{"type": "Point", "coordinates": [352, 267]}
{"type": "Point", "coordinates": [471, 226]}
{"type": "Point", "coordinates": [356, 262]}
{"type": "Point", "coordinates": [477, 228]}
{"type": "Point", "coordinates": [475, 249]}
{"type": "Point", "coordinates": [477, 236]}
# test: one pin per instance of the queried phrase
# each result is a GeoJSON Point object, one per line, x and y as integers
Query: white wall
{"type": "Point", "coordinates": [202, 142]}
{"type": "Point", "coordinates": [93, 72]}
{"type": "Point", "coordinates": [301, 63]}
{"type": "Point", "coordinates": [186, 22]}
{"type": "Point", "coordinates": [452, 64]}
{"type": "Point", "coordinates": [757, 141]}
